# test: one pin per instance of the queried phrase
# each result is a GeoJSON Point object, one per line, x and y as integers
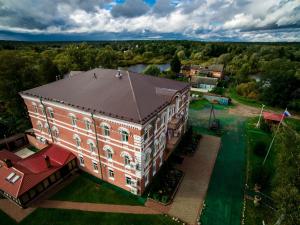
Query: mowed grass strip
{"type": "Point", "coordinates": [75, 217]}
{"type": "Point", "coordinates": [84, 189]}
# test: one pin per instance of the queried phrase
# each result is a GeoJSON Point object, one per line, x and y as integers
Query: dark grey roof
{"type": "Point", "coordinates": [204, 80]}
{"type": "Point", "coordinates": [133, 97]}
{"type": "Point", "coordinates": [216, 67]}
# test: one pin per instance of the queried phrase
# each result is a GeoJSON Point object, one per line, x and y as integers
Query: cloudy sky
{"type": "Point", "coordinates": [208, 20]}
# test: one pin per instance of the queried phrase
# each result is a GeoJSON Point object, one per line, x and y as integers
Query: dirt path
{"type": "Point", "coordinates": [95, 207]}
{"type": "Point", "coordinates": [240, 109]}
{"type": "Point", "coordinates": [189, 199]}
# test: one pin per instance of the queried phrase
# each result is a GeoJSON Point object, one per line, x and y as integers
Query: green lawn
{"type": "Point", "coordinates": [74, 217]}
{"type": "Point", "coordinates": [86, 189]}
{"type": "Point", "coordinates": [199, 104]}
{"type": "Point", "coordinates": [255, 135]}
{"type": "Point", "coordinates": [234, 95]}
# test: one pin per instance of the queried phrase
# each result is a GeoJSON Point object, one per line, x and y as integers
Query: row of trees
{"type": "Point", "coordinates": [27, 65]}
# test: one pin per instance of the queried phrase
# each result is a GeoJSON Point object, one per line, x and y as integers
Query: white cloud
{"type": "Point", "coordinates": [191, 18]}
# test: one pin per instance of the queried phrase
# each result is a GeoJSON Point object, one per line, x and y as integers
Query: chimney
{"type": "Point", "coordinates": [8, 163]}
{"type": "Point", "coordinates": [47, 160]}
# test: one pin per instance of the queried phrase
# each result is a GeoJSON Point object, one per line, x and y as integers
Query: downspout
{"type": "Point", "coordinates": [44, 108]}
{"type": "Point", "coordinates": [97, 146]}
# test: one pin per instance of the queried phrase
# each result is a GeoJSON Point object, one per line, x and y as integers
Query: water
{"type": "Point", "coordinates": [139, 68]}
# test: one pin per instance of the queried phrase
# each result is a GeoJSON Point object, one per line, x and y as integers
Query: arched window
{"type": "Point", "coordinates": [55, 132]}
{"type": "Point", "coordinates": [77, 140]}
{"type": "Point", "coordinates": [156, 145]}
{"type": "Point", "coordinates": [157, 123]}
{"type": "Point", "coordinates": [35, 108]}
{"type": "Point", "coordinates": [162, 140]}
{"type": "Point", "coordinates": [105, 130]}
{"type": "Point", "coordinates": [124, 134]}
{"type": "Point", "coordinates": [88, 124]}
{"type": "Point", "coordinates": [73, 119]}
{"type": "Point", "coordinates": [51, 113]}
{"type": "Point", "coordinates": [109, 152]}
{"type": "Point", "coordinates": [147, 132]}
{"type": "Point", "coordinates": [127, 158]}
{"type": "Point", "coordinates": [48, 128]}
{"type": "Point", "coordinates": [40, 126]}
{"type": "Point", "coordinates": [147, 155]}
{"type": "Point", "coordinates": [91, 145]}
{"type": "Point", "coordinates": [43, 110]}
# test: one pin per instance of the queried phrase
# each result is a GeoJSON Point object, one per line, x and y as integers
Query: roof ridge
{"type": "Point", "coordinates": [134, 98]}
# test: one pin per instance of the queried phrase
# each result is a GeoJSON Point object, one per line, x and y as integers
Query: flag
{"type": "Point", "coordinates": [286, 113]}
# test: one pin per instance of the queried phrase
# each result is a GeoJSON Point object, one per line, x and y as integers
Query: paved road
{"type": "Point", "coordinates": [189, 199]}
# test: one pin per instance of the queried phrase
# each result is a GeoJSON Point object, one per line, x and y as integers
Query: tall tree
{"type": "Point", "coordinates": [175, 64]}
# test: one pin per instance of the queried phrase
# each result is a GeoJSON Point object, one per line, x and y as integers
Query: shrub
{"type": "Point", "coordinates": [260, 149]}
{"type": "Point", "coordinates": [261, 176]}
{"type": "Point", "coordinates": [165, 199]}
{"type": "Point", "coordinates": [156, 196]}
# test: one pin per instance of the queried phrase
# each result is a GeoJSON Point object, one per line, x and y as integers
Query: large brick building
{"type": "Point", "coordinates": [121, 126]}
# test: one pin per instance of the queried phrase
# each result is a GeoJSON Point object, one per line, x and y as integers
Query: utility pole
{"type": "Point", "coordinates": [271, 144]}
{"type": "Point", "coordinates": [259, 119]}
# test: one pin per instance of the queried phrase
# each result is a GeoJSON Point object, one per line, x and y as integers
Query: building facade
{"type": "Point", "coordinates": [121, 126]}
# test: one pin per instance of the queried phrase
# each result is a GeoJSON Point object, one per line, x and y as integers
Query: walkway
{"type": "Point", "coordinates": [14, 211]}
{"type": "Point", "coordinates": [95, 207]}
{"type": "Point", "coordinates": [189, 199]}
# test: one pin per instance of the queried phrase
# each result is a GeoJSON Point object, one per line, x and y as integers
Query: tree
{"type": "Point", "coordinates": [175, 64]}
{"type": "Point", "coordinates": [152, 70]}
{"type": "Point", "coordinates": [278, 88]}
{"type": "Point", "coordinates": [107, 58]}
{"type": "Point", "coordinates": [286, 191]}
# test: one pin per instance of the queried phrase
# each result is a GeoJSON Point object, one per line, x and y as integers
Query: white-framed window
{"type": "Point", "coordinates": [154, 168]}
{"type": "Point", "coordinates": [43, 110]}
{"type": "Point", "coordinates": [40, 126]}
{"type": "Point", "coordinates": [157, 123]}
{"type": "Point", "coordinates": [35, 108]}
{"type": "Point", "coordinates": [109, 154]}
{"type": "Point", "coordinates": [88, 124]}
{"type": "Point", "coordinates": [111, 174]}
{"type": "Point", "coordinates": [51, 112]}
{"type": "Point", "coordinates": [156, 145]}
{"type": "Point", "coordinates": [77, 140]}
{"type": "Point", "coordinates": [73, 119]}
{"type": "Point", "coordinates": [126, 160]}
{"type": "Point", "coordinates": [95, 166]}
{"type": "Point", "coordinates": [47, 128]}
{"type": "Point", "coordinates": [147, 132]}
{"type": "Point", "coordinates": [55, 132]}
{"type": "Point", "coordinates": [146, 179]}
{"type": "Point", "coordinates": [162, 140]}
{"type": "Point", "coordinates": [91, 145]}
{"type": "Point", "coordinates": [147, 155]}
{"type": "Point", "coordinates": [124, 136]}
{"type": "Point", "coordinates": [81, 160]}
{"type": "Point", "coordinates": [105, 130]}
{"type": "Point", "coordinates": [163, 119]}
{"type": "Point", "coordinates": [128, 180]}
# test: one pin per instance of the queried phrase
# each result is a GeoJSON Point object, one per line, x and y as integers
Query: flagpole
{"type": "Point", "coordinates": [261, 111]}
{"type": "Point", "coordinates": [271, 144]}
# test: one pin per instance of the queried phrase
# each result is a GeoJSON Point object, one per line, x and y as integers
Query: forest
{"type": "Point", "coordinates": [24, 65]}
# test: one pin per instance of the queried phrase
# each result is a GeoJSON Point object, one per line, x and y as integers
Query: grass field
{"type": "Point", "coordinates": [85, 189]}
{"type": "Point", "coordinates": [199, 104]}
{"type": "Point", "coordinates": [224, 198]}
{"type": "Point", "coordinates": [74, 217]}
